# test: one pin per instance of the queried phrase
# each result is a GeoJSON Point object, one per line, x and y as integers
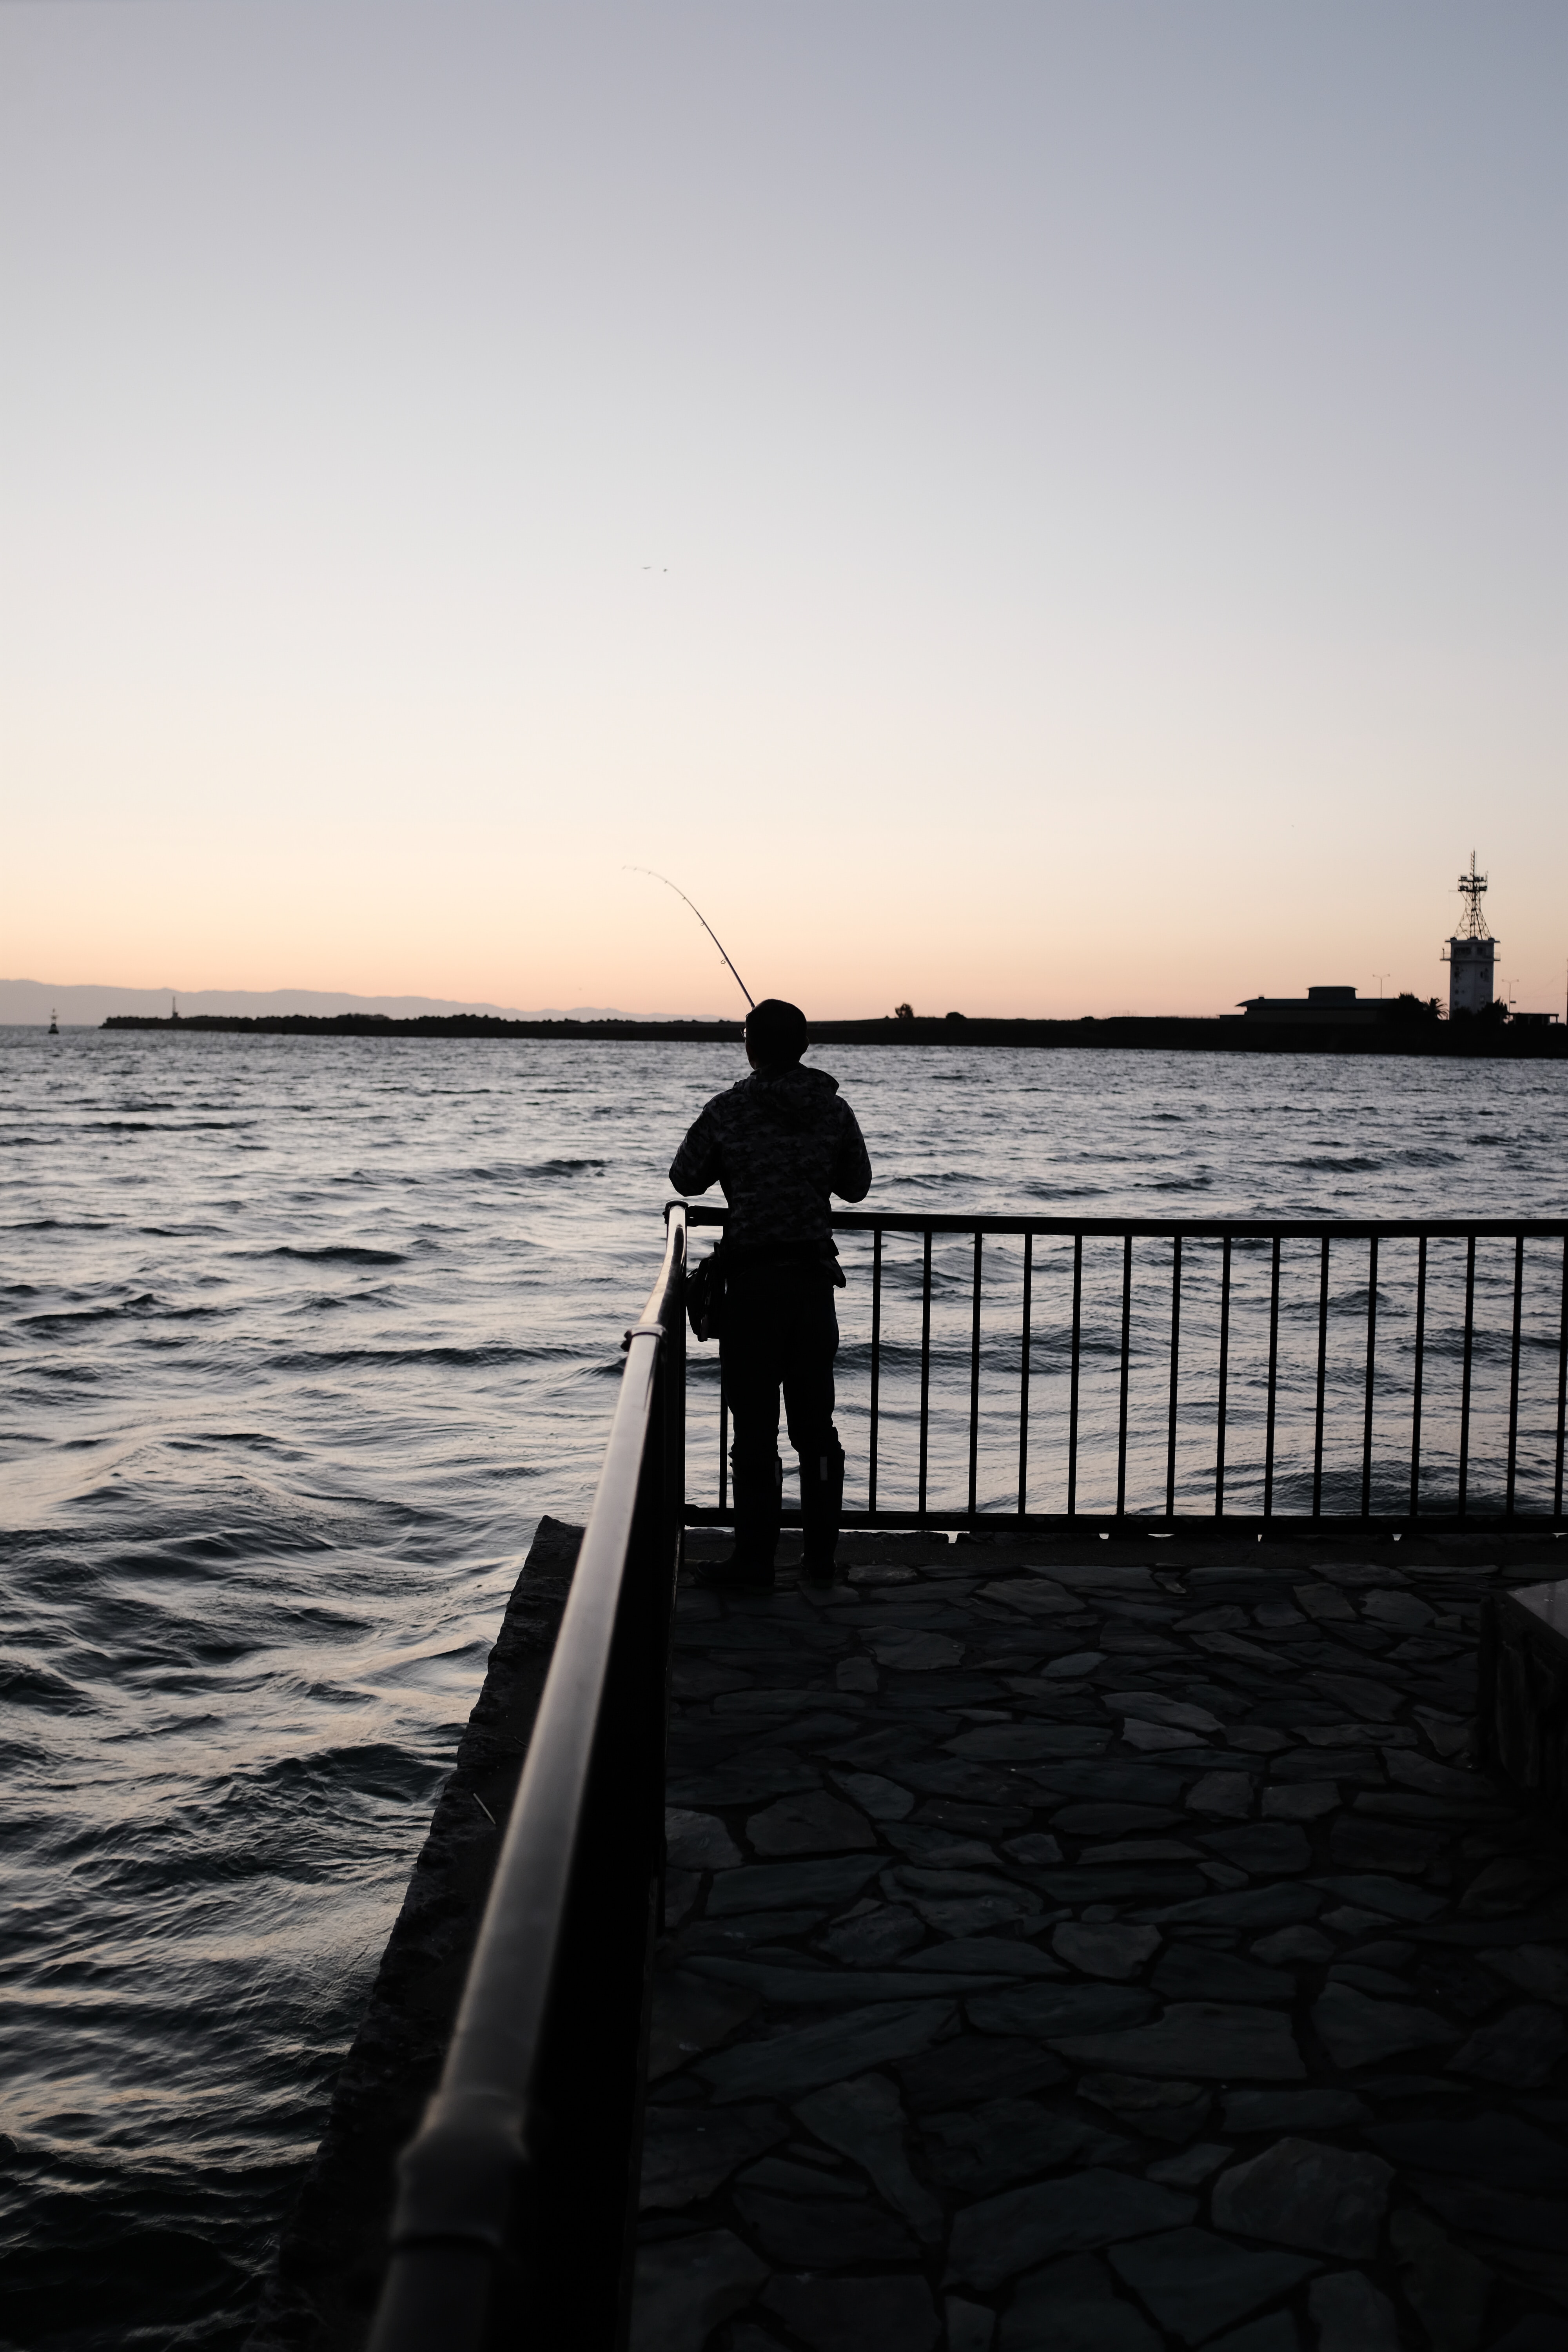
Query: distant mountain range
{"type": "Point", "coordinates": [29, 1002]}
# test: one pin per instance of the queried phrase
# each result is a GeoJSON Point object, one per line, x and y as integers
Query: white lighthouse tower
{"type": "Point", "coordinates": [1471, 954]}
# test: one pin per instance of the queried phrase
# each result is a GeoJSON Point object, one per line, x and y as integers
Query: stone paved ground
{"type": "Point", "coordinates": [1102, 1948]}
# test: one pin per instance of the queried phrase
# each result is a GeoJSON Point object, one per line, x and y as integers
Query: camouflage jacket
{"type": "Point", "coordinates": [778, 1143]}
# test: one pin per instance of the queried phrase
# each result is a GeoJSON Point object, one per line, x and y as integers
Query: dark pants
{"type": "Point", "coordinates": [779, 1331]}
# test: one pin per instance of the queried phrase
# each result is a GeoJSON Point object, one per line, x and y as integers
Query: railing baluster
{"type": "Point", "coordinates": [1072, 1389]}
{"type": "Point", "coordinates": [1024, 1378]}
{"type": "Point", "coordinates": [925, 1365]}
{"type": "Point", "coordinates": [1371, 1362]}
{"type": "Point", "coordinates": [974, 1380]}
{"type": "Point", "coordinates": [1273, 1380]}
{"type": "Point", "coordinates": [876, 1366]}
{"type": "Point", "coordinates": [1126, 1356]}
{"type": "Point", "coordinates": [1464, 1390]}
{"type": "Point", "coordinates": [1513, 1370]}
{"type": "Point", "coordinates": [1175, 1359]}
{"type": "Point", "coordinates": [1323, 1371]}
{"type": "Point", "coordinates": [1224, 1377]}
{"type": "Point", "coordinates": [1420, 1368]}
{"type": "Point", "coordinates": [1561, 1384]}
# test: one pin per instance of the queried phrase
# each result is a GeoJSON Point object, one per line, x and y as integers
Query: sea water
{"type": "Point", "coordinates": [303, 1335]}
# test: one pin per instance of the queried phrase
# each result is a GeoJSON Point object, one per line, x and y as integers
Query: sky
{"type": "Point", "coordinates": [1041, 509]}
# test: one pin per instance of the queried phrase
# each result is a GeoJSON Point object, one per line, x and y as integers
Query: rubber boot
{"type": "Point", "coordinates": [821, 1506]}
{"type": "Point", "coordinates": [749, 1567]}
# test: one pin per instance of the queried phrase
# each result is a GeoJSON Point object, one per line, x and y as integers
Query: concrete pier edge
{"type": "Point", "coordinates": [320, 2293]}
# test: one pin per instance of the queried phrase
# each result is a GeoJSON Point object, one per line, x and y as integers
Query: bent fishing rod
{"type": "Point", "coordinates": [701, 919]}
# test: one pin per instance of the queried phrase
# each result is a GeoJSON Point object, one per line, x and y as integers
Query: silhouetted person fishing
{"type": "Point", "coordinates": [779, 1143]}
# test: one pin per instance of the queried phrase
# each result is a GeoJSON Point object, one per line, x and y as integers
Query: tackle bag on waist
{"type": "Point", "coordinates": [705, 1295]}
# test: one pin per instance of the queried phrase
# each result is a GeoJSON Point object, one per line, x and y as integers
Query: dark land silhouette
{"type": "Point", "coordinates": [1476, 1038]}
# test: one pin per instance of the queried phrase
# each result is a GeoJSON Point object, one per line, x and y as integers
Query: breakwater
{"type": "Point", "coordinates": [1226, 1034]}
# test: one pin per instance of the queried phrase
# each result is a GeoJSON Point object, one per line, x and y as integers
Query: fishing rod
{"type": "Point", "coordinates": [701, 919]}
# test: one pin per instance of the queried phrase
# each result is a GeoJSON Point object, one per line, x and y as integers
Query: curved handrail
{"type": "Point", "coordinates": [460, 2175]}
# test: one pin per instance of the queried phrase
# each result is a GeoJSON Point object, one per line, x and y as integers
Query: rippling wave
{"type": "Point", "coordinates": [248, 1581]}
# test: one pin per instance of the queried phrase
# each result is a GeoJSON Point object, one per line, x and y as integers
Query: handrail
{"type": "Point", "coordinates": [501, 2181]}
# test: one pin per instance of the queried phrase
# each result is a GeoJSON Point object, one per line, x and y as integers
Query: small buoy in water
{"type": "Point", "coordinates": [53, 1024]}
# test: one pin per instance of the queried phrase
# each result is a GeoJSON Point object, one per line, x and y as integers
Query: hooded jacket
{"type": "Point", "coordinates": [778, 1143]}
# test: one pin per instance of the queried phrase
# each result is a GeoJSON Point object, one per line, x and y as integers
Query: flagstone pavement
{"type": "Point", "coordinates": [1098, 1947]}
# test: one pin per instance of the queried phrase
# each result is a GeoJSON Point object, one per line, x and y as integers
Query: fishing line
{"type": "Point", "coordinates": [701, 919]}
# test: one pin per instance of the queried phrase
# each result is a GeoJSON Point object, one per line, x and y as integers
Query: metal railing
{"type": "Point", "coordinates": [1220, 1357]}
{"type": "Point", "coordinates": [518, 2195]}
{"type": "Point", "coordinates": [1050, 1371]}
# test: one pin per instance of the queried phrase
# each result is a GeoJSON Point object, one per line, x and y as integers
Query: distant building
{"type": "Point", "coordinates": [1342, 1004]}
{"type": "Point", "coordinates": [1472, 954]}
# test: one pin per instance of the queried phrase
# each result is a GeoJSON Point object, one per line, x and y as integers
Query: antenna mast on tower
{"type": "Point", "coordinates": [1471, 886]}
